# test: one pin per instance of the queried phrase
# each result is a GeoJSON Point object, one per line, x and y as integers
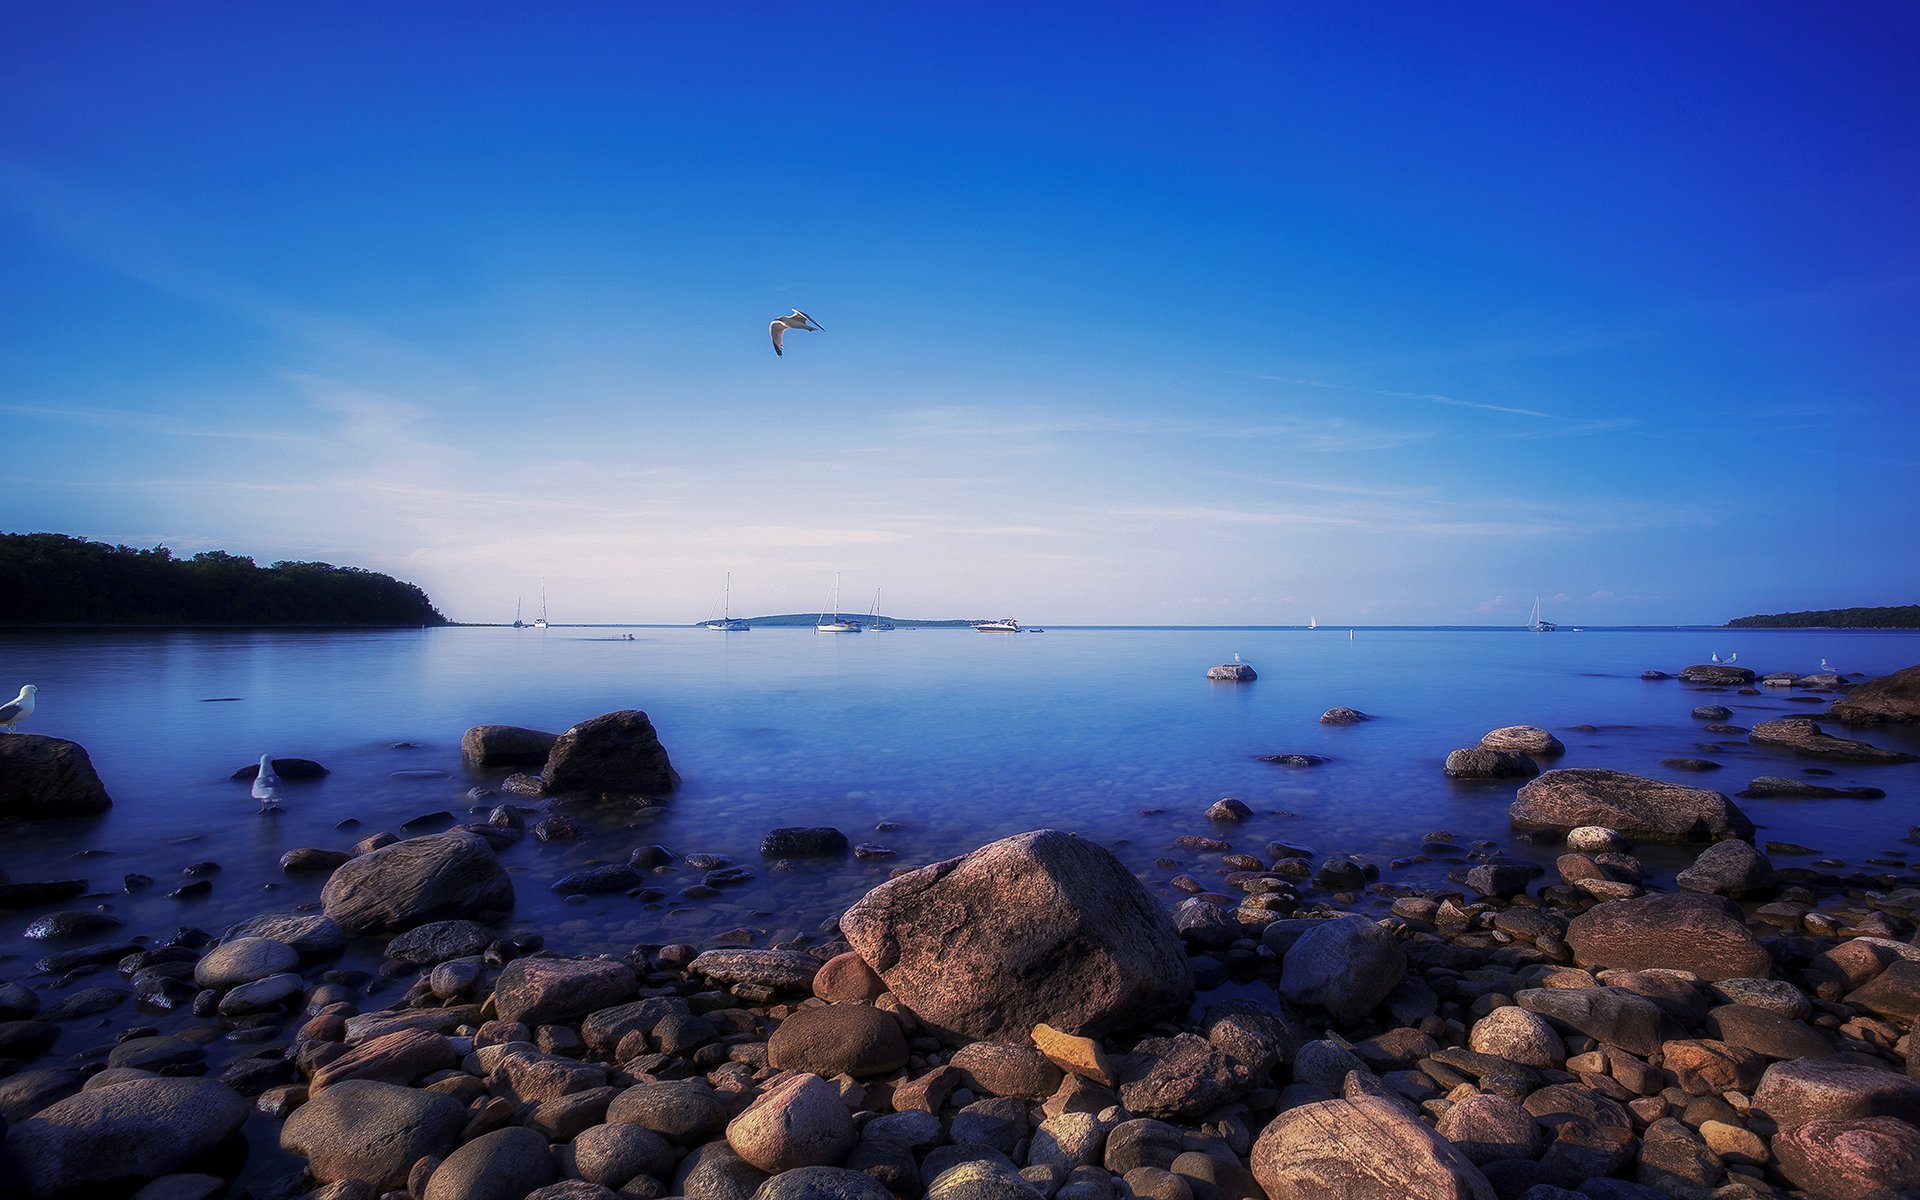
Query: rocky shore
{"type": "Point", "coordinates": [1025, 1019]}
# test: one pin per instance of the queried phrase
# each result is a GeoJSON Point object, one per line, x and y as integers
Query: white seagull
{"type": "Point", "coordinates": [264, 785]}
{"type": "Point", "coordinates": [1716, 656]}
{"type": "Point", "coordinates": [18, 709]}
{"type": "Point", "coordinates": [797, 320]}
{"type": "Point", "coordinates": [1824, 666]}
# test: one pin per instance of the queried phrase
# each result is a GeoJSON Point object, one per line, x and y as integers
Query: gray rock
{"type": "Point", "coordinates": [244, 960]}
{"type": "Point", "coordinates": [783, 970]}
{"type": "Point", "coordinates": [503, 1165]}
{"type": "Point", "coordinates": [1481, 762]}
{"type": "Point", "coordinates": [822, 1183]}
{"type": "Point", "coordinates": [112, 1138]}
{"type": "Point", "coordinates": [1612, 1015]}
{"type": "Point", "coordinates": [438, 942]}
{"type": "Point", "coordinates": [1039, 927]}
{"type": "Point", "coordinates": [715, 1172]}
{"type": "Point", "coordinates": [1685, 931]}
{"type": "Point", "coordinates": [1840, 1087]}
{"type": "Point", "coordinates": [361, 1129]}
{"type": "Point", "coordinates": [400, 886]}
{"type": "Point", "coordinates": [611, 877]}
{"type": "Point", "coordinates": [617, 752]}
{"type": "Point", "coordinates": [48, 777]}
{"type": "Point", "coordinates": [68, 924]}
{"type": "Point", "coordinates": [1529, 740]}
{"type": "Point", "coordinates": [505, 746]}
{"type": "Point", "coordinates": [1730, 868]}
{"type": "Point", "coordinates": [1179, 1077]}
{"type": "Point", "coordinates": [1891, 699]}
{"type": "Point", "coordinates": [1645, 809]}
{"type": "Point", "coordinates": [1488, 1127]}
{"type": "Point", "coordinates": [1346, 965]}
{"type": "Point", "coordinates": [313, 935]}
{"type": "Point", "coordinates": [980, 1179]}
{"type": "Point", "coordinates": [685, 1111]}
{"type": "Point", "coordinates": [613, 1153]}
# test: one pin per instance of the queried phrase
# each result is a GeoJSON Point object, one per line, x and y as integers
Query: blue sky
{"type": "Point", "coordinates": [1236, 313]}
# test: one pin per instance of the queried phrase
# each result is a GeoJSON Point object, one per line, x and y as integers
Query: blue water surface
{"type": "Point", "coordinates": [952, 737]}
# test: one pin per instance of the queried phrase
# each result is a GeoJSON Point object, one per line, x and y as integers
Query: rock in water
{"type": "Point", "coordinates": [48, 777]}
{"type": "Point", "coordinates": [505, 746]}
{"type": "Point", "coordinates": [1364, 1149]}
{"type": "Point", "coordinates": [1644, 809]}
{"type": "Point", "coordinates": [437, 878]}
{"type": "Point", "coordinates": [1893, 699]}
{"type": "Point", "coordinates": [617, 752]}
{"type": "Point", "coordinates": [107, 1140]}
{"type": "Point", "coordinates": [1529, 740]}
{"type": "Point", "coordinates": [1805, 738]}
{"type": "Point", "coordinates": [1237, 672]}
{"type": "Point", "coordinates": [1038, 927]}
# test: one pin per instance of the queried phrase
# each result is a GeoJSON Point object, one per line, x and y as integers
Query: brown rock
{"type": "Point", "coordinates": [399, 886]}
{"type": "Point", "coordinates": [1686, 931]}
{"type": "Point", "coordinates": [1705, 1067]}
{"type": "Point", "coordinates": [543, 991]}
{"type": "Point", "coordinates": [847, 977]}
{"type": "Point", "coordinates": [1529, 740]}
{"type": "Point", "coordinates": [1487, 1127]}
{"type": "Point", "coordinates": [1643, 809]}
{"type": "Point", "coordinates": [1805, 738]}
{"type": "Point", "coordinates": [839, 1039]}
{"type": "Point", "coordinates": [48, 777]}
{"type": "Point", "coordinates": [505, 746]}
{"type": "Point", "coordinates": [1850, 1159]}
{"type": "Point", "coordinates": [361, 1129]}
{"type": "Point", "coordinates": [799, 1122]}
{"type": "Point", "coordinates": [1838, 1087]}
{"type": "Point", "coordinates": [1365, 1149]}
{"type": "Point", "coordinates": [1043, 926]}
{"type": "Point", "coordinates": [1073, 1054]}
{"type": "Point", "coordinates": [399, 1057]}
{"type": "Point", "coordinates": [1891, 699]}
{"type": "Point", "coordinates": [1005, 1069]}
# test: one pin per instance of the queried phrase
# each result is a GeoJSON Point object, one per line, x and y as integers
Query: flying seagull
{"type": "Point", "coordinates": [264, 785]}
{"type": "Point", "coordinates": [798, 320]}
{"type": "Point", "coordinates": [18, 709]}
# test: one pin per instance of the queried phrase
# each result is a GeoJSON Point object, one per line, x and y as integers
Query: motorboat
{"type": "Point", "coordinates": [1003, 625]}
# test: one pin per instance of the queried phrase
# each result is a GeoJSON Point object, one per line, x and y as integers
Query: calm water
{"type": "Point", "coordinates": [955, 736]}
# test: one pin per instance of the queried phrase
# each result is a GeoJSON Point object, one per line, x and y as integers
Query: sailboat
{"type": "Point", "coordinates": [540, 622]}
{"type": "Point", "coordinates": [1537, 625]}
{"type": "Point", "coordinates": [875, 621]}
{"type": "Point", "coordinates": [726, 623]}
{"type": "Point", "coordinates": [517, 622]}
{"type": "Point", "coordinates": [1313, 622]}
{"type": "Point", "coordinates": [839, 624]}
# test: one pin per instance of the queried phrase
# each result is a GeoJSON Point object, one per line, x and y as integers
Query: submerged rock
{"type": "Point", "coordinates": [505, 746]}
{"type": "Point", "coordinates": [1805, 738]}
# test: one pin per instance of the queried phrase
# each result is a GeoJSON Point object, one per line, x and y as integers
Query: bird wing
{"type": "Point", "coordinates": [809, 320]}
{"type": "Point", "coordinates": [776, 329]}
{"type": "Point", "coordinates": [10, 712]}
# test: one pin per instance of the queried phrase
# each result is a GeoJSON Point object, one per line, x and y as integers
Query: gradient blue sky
{"type": "Point", "coordinates": [1219, 313]}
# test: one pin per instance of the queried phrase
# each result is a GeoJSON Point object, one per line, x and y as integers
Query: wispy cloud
{"type": "Point", "coordinates": [143, 422]}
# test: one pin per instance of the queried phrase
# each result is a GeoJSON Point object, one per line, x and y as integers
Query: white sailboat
{"type": "Point", "coordinates": [875, 621]}
{"type": "Point", "coordinates": [1537, 625]}
{"type": "Point", "coordinates": [540, 622]}
{"type": "Point", "coordinates": [1313, 622]}
{"type": "Point", "coordinates": [517, 622]}
{"type": "Point", "coordinates": [726, 623]}
{"type": "Point", "coordinates": [839, 624]}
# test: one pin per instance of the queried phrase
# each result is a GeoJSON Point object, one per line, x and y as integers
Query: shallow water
{"type": "Point", "coordinates": [956, 737]}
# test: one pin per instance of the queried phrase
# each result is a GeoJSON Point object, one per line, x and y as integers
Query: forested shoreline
{"type": "Point", "coordinates": [1904, 616]}
{"type": "Point", "coordinates": [54, 579]}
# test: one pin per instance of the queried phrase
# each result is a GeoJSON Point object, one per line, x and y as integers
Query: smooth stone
{"type": "Point", "coordinates": [503, 1165]}
{"type": "Point", "coordinates": [112, 1138]}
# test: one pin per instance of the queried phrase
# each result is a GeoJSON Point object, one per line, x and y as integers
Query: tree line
{"type": "Point", "coordinates": [1902, 616]}
{"type": "Point", "coordinates": [53, 579]}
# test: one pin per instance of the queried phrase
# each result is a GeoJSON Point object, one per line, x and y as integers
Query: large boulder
{"type": "Point", "coordinates": [1038, 927]}
{"type": "Point", "coordinates": [503, 1165]}
{"type": "Point", "coordinates": [839, 1039]}
{"type": "Point", "coordinates": [437, 878]}
{"type": "Point", "coordinates": [1361, 1149]}
{"type": "Point", "coordinates": [1684, 931]}
{"type": "Point", "coordinates": [48, 777]}
{"type": "Point", "coordinates": [1717, 675]}
{"type": "Point", "coordinates": [505, 746]}
{"type": "Point", "coordinates": [362, 1129]}
{"type": "Point", "coordinates": [799, 1122]}
{"type": "Point", "coordinates": [1731, 868]}
{"type": "Point", "coordinates": [1892, 699]}
{"type": "Point", "coordinates": [616, 752]}
{"type": "Point", "coordinates": [1805, 738]}
{"type": "Point", "coordinates": [1650, 810]}
{"type": "Point", "coordinates": [107, 1140]}
{"type": "Point", "coordinates": [1530, 740]}
{"type": "Point", "coordinates": [1839, 1087]}
{"type": "Point", "coordinates": [1852, 1159]}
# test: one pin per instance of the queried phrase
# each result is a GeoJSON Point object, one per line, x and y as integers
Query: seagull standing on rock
{"type": "Point", "coordinates": [795, 320]}
{"type": "Point", "coordinates": [265, 786]}
{"type": "Point", "coordinates": [18, 709]}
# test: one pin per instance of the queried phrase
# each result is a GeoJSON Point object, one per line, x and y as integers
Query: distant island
{"type": "Point", "coordinates": [790, 620]}
{"type": "Point", "coordinates": [1904, 616]}
{"type": "Point", "coordinates": [53, 579]}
